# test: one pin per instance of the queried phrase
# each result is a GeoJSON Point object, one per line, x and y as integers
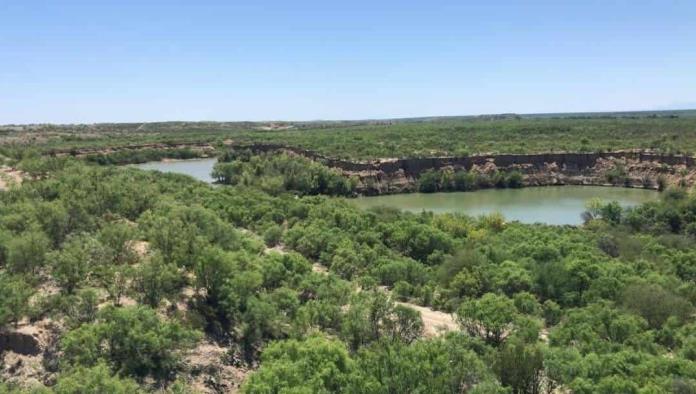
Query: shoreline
{"type": "Point", "coordinates": [627, 168]}
{"type": "Point", "coordinates": [538, 185]}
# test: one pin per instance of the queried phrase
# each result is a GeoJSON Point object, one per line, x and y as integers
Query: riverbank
{"type": "Point", "coordinates": [559, 205]}
{"type": "Point", "coordinates": [630, 168]}
{"type": "Point", "coordinates": [634, 169]}
{"type": "Point", "coordinates": [140, 153]}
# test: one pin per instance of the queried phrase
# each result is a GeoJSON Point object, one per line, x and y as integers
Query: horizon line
{"type": "Point", "coordinates": [423, 117]}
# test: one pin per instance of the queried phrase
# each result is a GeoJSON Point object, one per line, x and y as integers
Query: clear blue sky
{"type": "Point", "coordinates": [101, 60]}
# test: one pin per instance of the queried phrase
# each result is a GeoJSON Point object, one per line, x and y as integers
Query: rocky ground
{"type": "Point", "coordinates": [29, 352]}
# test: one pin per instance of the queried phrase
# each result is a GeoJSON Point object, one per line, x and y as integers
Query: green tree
{"type": "Point", "coordinates": [552, 312]}
{"type": "Point", "coordinates": [81, 307]}
{"type": "Point", "coordinates": [213, 268]}
{"type": "Point", "coordinates": [27, 252]}
{"type": "Point", "coordinates": [272, 235]}
{"type": "Point", "coordinates": [526, 303]}
{"type": "Point", "coordinates": [236, 292]}
{"type": "Point", "coordinates": [54, 220]}
{"type": "Point", "coordinates": [117, 236]}
{"type": "Point", "coordinates": [429, 181]}
{"type": "Point", "coordinates": [115, 279]}
{"type": "Point", "coordinates": [315, 365]}
{"type": "Point", "coordinates": [228, 173]}
{"type": "Point", "coordinates": [178, 241]}
{"type": "Point", "coordinates": [515, 179]}
{"type": "Point", "coordinates": [490, 318]}
{"type": "Point", "coordinates": [655, 304]}
{"type": "Point", "coordinates": [96, 379]}
{"type": "Point", "coordinates": [14, 298]}
{"type": "Point", "coordinates": [430, 366]}
{"type": "Point", "coordinates": [464, 181]}
{"type": "Point", "coordinates": [511, 277]}
{"type": "Point", "coordinates": [134, 340]}
{"type": "Point", "coordinates": [261, 321]}
{"type": "Point", "coordinates": [520, 367]}
{"type": "Point", "coordinates": [598, 328]}
{"type": "Point", "coordinates": [612, 212]}
{"type": "Point", "coordinates": [367, 319]}
{"type": "Point", "coordinates": [72, 265]}
{"type": "Point", "coordinates": [155, 280]}
{"type": "Point", "coordinates": [406, 324]}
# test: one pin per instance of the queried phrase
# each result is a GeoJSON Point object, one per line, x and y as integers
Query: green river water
{"type": "Point", "coordinates": [549, 204]}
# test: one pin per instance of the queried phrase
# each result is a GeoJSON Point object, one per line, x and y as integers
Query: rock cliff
{"type": "Point", "coordinates": [621, 168]}
{"type": "Point", "coordinates": [629, 168]}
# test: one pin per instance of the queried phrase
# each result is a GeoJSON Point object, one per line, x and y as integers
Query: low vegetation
{"type": "Point", "coordinates": [143, 155]}
{"type": "Point", "coordinates": [276, 173]}
{"type": "Point", "coordinates": [672, 132]}
{"type": "Point", "coordinates": [447, 180]}
{"type": "Point", "coordinates": [137, 270]}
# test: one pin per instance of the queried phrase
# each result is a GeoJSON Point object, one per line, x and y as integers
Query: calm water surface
{"type": "Point", "coordinates": [197, 168]}
{"type": "Point", "coordinates": [550, 204]}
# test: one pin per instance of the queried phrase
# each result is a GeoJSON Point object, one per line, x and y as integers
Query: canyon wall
{"type": "Point", "coordinates": [385, 176]}
{"type": "Point", "coordinates": [621, 168]}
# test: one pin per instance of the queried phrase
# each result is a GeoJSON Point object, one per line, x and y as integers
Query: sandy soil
{"type": "Point", "coordinates": [209, 371]}
{"type": "Point", "coordinates": [140, 248]}
{"type": "Point", "coordinates": [280, 249]}
{"type": "Point", "coordinates": [9, 176]}
{"type": "Point", "coordinates": [434, 322]}
{"type": "Point", "coordinates": [320, 269]}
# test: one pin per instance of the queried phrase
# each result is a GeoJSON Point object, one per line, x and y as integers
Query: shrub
{"type": "Point", "coordinates": [134, 340]}
{"type": "Point", "coordinates": [273, 235]}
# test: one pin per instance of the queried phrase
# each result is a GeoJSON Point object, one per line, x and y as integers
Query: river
{"type": "Point", "coordinates": [197, 168]}
{"type": "Point", "coordinates": [549, 204]}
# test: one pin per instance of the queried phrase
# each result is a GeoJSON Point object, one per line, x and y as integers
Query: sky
{"type": "Point", "coordinates": [138, 61]}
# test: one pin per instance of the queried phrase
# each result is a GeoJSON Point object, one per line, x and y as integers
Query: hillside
{"type": "Point", "coordinates": [114, 279]}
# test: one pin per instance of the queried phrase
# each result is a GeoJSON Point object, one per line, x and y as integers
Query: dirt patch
{"type": "Point", "coordinates": [274, 127]}
{"type": "Point", "coordinates": [434, 322]}
{"type": "Point", "coordinates": [320, 269]}
{"type": "Point", "coordinates": [140, 248]}
{"type": "Point", "coordinates": [209, 368]}
{"type": "Point", "coordinates": [280, 249]}
{"type": "Point", "coordinates": [10, 176]}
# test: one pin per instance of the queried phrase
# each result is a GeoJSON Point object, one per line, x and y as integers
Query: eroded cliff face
{"type": "Point", "coordinates": [387, 176]}
{"type": "Point", "coordinates": [621, 168]}
{"type": "Point", "coordinates": [608, 170]}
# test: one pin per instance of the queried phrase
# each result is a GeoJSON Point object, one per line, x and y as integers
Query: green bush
{"type": "Point", "coordinates": [134, 340]}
